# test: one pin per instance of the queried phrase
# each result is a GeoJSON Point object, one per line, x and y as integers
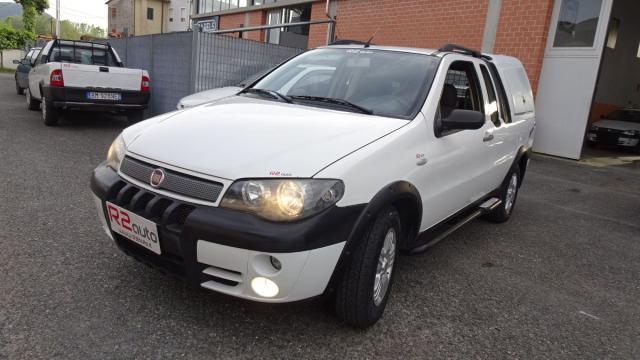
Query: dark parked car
{"type": "Point", "coordinates": [620, 127]}
{"type": "Point", "coordinates": [22, 71]}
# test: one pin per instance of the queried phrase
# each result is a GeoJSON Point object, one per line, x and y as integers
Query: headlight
{"type": "Point", "coordinates": [594, 128]}
{"type": "Point", "coordinates": [116, 153]}
{"type": "Point", "coordinates": [283, 199]}
{"type": "Point", "coordinates": [631, 132]}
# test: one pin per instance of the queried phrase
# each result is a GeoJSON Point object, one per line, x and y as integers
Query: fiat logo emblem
{"type": "Point", "coordinates": [157, 177]}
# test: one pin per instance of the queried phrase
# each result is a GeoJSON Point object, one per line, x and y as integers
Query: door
{"type": "Point", "coordinates": [23, 69]}
{"type": "Point", "coordinates": [569, 72]}
{"type": "Point", "coordinates": [501, 138]}
{"type": "Point", "coordinates": [458, 172]}
{"type": "Point", "coordinates": [38, 72]}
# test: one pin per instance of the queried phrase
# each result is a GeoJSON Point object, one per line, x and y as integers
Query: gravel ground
{"type": "Point", "coordinates": [560, 280]}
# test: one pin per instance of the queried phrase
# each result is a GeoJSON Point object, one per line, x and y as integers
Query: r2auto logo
{"type": "Point", "coordinates": [122, 219]}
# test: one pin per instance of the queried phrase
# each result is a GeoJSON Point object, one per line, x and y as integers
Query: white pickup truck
{"type": "Point", "coordinates": [292, 190]}
{"type": "Point", "coordinates": [80, 75]}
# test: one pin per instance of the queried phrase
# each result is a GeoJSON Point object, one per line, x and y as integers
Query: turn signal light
{"type": "Point", "coordinates": [146, 84]}
{"type": "Point", "coordinates": [56, 79]}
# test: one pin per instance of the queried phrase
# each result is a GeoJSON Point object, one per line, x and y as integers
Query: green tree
{"type": "Point", "coordinates": [30, 8]}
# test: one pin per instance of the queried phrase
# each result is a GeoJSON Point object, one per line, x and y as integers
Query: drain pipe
{"type": "Point", "coordinates": [331, 27]}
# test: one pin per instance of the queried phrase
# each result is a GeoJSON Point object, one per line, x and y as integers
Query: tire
{"type": "Point", "coordinates": [33, 104]}
{"type": "Point", "coordinates": [360, 299]}
{"type": "Point", "coordinates": [19, 90]}
{"type": "Point", "coordinates": [508, 195]}
{"type": "Point", "coordinates": [49, 112]}
{"type": "Point", "coordinates": [135, 116]}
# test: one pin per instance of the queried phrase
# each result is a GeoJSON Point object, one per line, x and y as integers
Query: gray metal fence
{"type": "Point", "coordinates": [186, 62]}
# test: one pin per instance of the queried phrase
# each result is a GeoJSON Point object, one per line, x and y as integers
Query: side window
{"type": "Point", "coordinates": [29, 54]}
{"type": "Point", "coordinates": [34, 56]}
{"type": "Point", "coordinates": [461, 91]}
{"type": "Point", "coordinates": [492, 107]}
{"type": "Point", "coordinates": [503, 103]}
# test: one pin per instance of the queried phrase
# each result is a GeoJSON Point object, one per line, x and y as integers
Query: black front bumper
{"type": "Point", "coordinates": [181, 225]}
{"type": "Point", "coordinates": [606, 136]}
{"type": "Point", "coordinates": [75, 98]}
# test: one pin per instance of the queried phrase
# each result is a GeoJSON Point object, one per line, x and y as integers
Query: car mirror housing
{"type": "Point", "coordinates": [459, 119]}
{"type": "Point", "coordinates": [16, 62]}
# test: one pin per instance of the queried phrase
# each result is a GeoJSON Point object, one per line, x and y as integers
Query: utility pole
{"type": "Point", "coordinates": [58, 19]}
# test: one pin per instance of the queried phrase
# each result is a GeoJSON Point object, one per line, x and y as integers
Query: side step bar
{"type": "Point", "coordinates": [484, 208]}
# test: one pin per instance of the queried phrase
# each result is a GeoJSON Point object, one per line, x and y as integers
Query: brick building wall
{"type": "Point", "coordinates": [522, 27]}
{"type": "Point", "coordinates": [522, 32]}
{"type": "Point", "coordinates": [251, 18]}
{"type": "Point", "coordinates": [425, 23]}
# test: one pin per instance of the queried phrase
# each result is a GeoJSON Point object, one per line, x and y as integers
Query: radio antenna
{"type": "Point", "coordinates": [368, 43]}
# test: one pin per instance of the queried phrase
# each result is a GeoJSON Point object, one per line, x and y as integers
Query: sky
{"type": "Point", "coordinates": [92, 12]}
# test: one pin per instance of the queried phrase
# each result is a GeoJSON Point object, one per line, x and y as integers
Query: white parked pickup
{"type": "Point", "coordinates": [80, 75]}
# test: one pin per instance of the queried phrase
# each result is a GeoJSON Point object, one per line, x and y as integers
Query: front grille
{"type": "Point", "coordinates": [175, 182]}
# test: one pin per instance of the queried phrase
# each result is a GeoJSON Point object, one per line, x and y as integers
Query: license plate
{"type": "Point", "coordinates": [134, 227]}
{"type": "Point", "coordinates": [93, 95]}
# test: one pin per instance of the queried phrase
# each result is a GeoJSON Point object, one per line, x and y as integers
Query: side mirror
{"type": "Point", "coordinates": [459, 119]}
{"type": "Point", "coordinates": [17, 62]}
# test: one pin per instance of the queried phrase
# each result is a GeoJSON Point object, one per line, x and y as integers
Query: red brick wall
{"type": "Point", "coordinates": [522, 33]}
{"type": "Point", "coordinates": [233, 21]}
{"type": "Point", "coordinates": [318, 33]}
{"type": "Point", "coordinates": [423, 23]}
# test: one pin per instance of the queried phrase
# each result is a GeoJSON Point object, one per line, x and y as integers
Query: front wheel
{"type": "Point", "coordinates": [19, 90]}
{"type": "Point", "coordinates": [364, 290]}
{"type": "Point", "coordinates": [508, 195]}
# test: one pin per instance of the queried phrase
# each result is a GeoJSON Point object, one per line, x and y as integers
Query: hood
{"type": "Point", "coordinates": [241, 137]}
{"type": "Point", "coordinates": [207, 96]}
{"type": "Point", "coordinates": [617, 125]}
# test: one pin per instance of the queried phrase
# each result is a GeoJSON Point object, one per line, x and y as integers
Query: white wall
{"type": "Point", "coordinates": [177, 24]}
{"type": "Point", "coordinates": [620, 72]}
{"type": "Point", "coordinates": [9, 55]}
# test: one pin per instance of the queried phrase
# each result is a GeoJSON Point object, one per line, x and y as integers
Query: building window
{"type": "Point", "coordinates": [113, 12]}
{"type": "Point", "coordinates": [295, 36]}
{"type": "Point", "coordinates": [207, 6]}
{"type": "Point", "coordinates": [170, 14]}
{"type": "Point", "coordinates": [149, 13]}
{"type": "Point", "coordinates": [577, 23]}
{"type": "Point", "coordinates": [183, 14]}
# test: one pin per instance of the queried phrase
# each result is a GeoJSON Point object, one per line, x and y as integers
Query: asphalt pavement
{"type": "Point", "coordinates": [561, 279]}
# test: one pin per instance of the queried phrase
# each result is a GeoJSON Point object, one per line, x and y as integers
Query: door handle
{"type": "Point", "coordinates": [487, 137]}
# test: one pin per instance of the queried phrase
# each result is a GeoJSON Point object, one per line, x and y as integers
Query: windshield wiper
{"type": "Point", "coordinates": [336, 101]}
{"type": "Point", "coordinates": [271, 93]}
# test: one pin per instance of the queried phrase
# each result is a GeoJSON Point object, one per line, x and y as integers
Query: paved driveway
{"type": "Point", "coordinates": [560, 280]}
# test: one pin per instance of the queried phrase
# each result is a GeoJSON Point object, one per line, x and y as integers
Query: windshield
{"type": "Point", "coordinates": [387, 83]}
{"type": "Point", "coordinates": [625, 115]}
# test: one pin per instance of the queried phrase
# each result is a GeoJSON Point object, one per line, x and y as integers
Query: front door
{"type": "Point", "coordinates": [458, 171]}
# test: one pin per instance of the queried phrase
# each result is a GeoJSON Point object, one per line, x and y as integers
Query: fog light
{"type": "Point", "coordinates": [264, 287]}
{"type": "Point", "coordinates": [275, 263]}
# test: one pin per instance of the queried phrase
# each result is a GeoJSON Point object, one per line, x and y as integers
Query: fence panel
{"type": "Point", "coordinates": [178, 69]}
{"type": "Point", "coordinates": [225, 61]}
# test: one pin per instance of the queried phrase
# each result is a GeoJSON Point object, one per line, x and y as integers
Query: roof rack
{"type": "Point", "coordinates": [463, 50]}
{"type": "Point", "coordinates": [348, 42]}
